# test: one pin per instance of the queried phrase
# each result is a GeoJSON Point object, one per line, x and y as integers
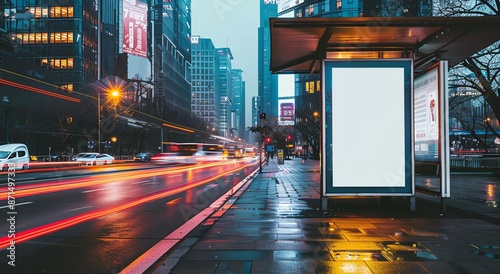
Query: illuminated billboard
{"type": "Point", "coordinates": [426, 116]}
{"type": "Point", "coordinates": [135, 27]}
{"type": "Point", "coordinates": [286, 111]}
{"type": "Point", "coordinates": [375, 97]}
{"type": "Point", "coordinates": [284, 5]}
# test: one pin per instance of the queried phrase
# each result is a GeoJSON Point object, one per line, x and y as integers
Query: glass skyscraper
{"type": "Point", "coordinates": [267, 82]}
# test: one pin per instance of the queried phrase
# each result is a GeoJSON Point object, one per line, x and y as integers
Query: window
{"type": "Point", "coordinates": [61, 12]}
{"type": "Point", "coordinates": [61, 38]}
{"type": "Point", "coordinates": [64, 63]}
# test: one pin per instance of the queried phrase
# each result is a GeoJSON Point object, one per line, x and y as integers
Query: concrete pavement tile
{"type": "Point", "coordinates": [368, 238]}
{"type": "Point", "coordinates": [243, 224]}
{"type": "Point", "coordinates": [396, 267]}
{"type": "Point", "coordinates": [229, 255]}
{"type": "Point", "coordinates": [289, 245]}
{"type": "Point", "coordinates": [188, 267]}
{"type": "Point", "coordinates": [288, 224]}
{"type": "Point", "coordinates": [494, 267]}
{"type": "Point", "coordinates": [301, 267]}
{"type": "Point", "coordinates": [317, 254]}
{"type": "Point", "coordinates": [356, 246]}
{"type": "Point", "coordinates": [458, 267]}
{"type": "Point", "coordinates": [243, 267]}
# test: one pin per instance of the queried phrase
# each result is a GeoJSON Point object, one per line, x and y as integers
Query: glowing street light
{"type": "Point", "coordinates": [114, 93]}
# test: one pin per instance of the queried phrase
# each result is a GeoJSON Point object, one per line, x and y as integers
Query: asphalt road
{"type": "Point", "coordinates": [100, 219]}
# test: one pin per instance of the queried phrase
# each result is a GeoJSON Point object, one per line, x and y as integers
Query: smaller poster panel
{"type": "Point", "coordinates": [427, 109]}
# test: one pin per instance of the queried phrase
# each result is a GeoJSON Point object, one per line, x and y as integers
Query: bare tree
{"type": "Point", "coordinates": [476, 76]}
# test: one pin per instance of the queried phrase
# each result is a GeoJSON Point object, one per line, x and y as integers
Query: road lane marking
{"type": "Point", "coordinates": [99, 189]}
{"type": "Point", "coordinates": [141, 182]}
{"type": "Point", "coordinates": [78, 208]}
{"type": "Point", "coordinates": [152, 255]}
{"type": "Point", "coordinates": [17, 204]}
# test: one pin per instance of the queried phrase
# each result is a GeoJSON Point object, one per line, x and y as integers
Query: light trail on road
{"type": "Point", "coordinates": [37, 189]}
{"type": "Point", "coordinates": [23, 236]}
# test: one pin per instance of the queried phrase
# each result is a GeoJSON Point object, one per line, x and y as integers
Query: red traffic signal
{"type": "Point", "coordinates": [289, 137]}
{"type": "Point", "coordinates": [268, 139]}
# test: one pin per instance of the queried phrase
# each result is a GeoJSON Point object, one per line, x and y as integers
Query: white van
{"type": "Point", "coordinates": [16, 154]}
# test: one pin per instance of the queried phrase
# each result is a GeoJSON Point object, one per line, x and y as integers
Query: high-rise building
{"type": "Point", "coordinates": [267, 82]}
{"type": "Point", "coordinates": [205, 88]}
{"type": "Point", "coordinates": [308, 86]}
{"type": "Point", "coordinates": [255, 119]}
{"type": "Point", "coordinates": [238, 106]}
{"type": "Point", "coordinates": [226, 90]}
{"type": "Point", "coordinates": [62, 37]}
{"type": "Point", "coordinates": [171, 55]}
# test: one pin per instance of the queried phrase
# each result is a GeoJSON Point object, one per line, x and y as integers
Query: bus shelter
{"type": "Point", "coordinates": [390, 75]}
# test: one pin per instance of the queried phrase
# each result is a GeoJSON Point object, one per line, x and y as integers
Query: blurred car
{"type": "Point", "coordinates": [93, 159]}
{"type": "Point", "coordinates": [58, 156]}
{"type": "Point", "coordinates": [79, 155]}
{"type": "Point", "coordinates": [143, 157]}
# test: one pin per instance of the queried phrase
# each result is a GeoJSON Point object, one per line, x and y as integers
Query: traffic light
{"type": "Point", "coordinates": [268, 139]}
{"type": "Point", "coordinates": [289, 137]}
{"type": "Point", "coordinates": [263, 115]}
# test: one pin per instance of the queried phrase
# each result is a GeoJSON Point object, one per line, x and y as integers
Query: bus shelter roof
{"type": "Point", "coordinates": [299, 44]}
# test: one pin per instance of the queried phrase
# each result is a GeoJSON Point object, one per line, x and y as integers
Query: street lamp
{"type": "Point", "coordinates": [115, 94]}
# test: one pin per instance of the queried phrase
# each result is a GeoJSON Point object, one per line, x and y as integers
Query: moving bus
{"type": "Point", "coordinates": [181, 153]}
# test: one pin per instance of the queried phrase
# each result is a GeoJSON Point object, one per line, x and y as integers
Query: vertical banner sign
{"type": "Point", "coordinates": [426, 116]}
{"type": "Point", "coordinates": [431, 123]}
{"type": "Point", "coordinates": [135, 26]}
{"type": "Point", "coordinates": [368, 133]}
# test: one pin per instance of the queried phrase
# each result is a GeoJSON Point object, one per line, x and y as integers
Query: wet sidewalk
{"type": "Point", "coordinates": [275, 225]}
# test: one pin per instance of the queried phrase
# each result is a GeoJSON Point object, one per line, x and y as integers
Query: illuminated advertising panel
{"type": "Point", "coordinates": [135, 26]}
{"type": "Point", "coordinates": [432, 146]}
{"type": "Point", "coordinates": [367, 117]}
{"type": "Point", "coordinates": [284, 5]}
{"type": "Point", "coordinates": [426, 111]}
{"type": "Point", "coordinates": [286, 111]}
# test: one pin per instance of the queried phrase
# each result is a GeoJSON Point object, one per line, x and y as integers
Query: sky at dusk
{"type": "Point", "coordinates": [233, 24]}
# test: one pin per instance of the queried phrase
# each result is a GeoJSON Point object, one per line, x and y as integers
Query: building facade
{"type": "Point", "coordinates": [238, 106]}
{"type": "Point", "coordinates": [226, 90]}
{"type": "Point", "coordinates": [205, 88]}
{"type": "Point", "coordinates": [267, 82]}
{"type": "Point", "coordinates": [58, 36]}
{"type": "Point", "coordinates": [171, 55]}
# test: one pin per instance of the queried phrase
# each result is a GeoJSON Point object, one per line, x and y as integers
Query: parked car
{"type": "Point", "coordinates": [94, 158]}
{"type": "Point", "coordinates": [143, 157]}
{"type": "Point", "coordinates": [58, 156]}
{"type": "Point", "coordinates": [14, 155]}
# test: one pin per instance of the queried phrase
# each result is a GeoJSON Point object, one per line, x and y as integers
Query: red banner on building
{"type": "Point", "coordinates": [135, 26]}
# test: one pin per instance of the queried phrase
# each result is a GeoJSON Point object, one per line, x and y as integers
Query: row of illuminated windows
{"type": "Point", "coordinates": [313, 88]}
{"type": "Point", "coordinates": [63, 63]}
{"type": "Point", "coordinates": [45, 38]}
{"type": "Point", "coordinates": [55, 12]}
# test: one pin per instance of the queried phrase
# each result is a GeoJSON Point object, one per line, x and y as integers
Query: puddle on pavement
{"type": "Point", "coordinates": [490, 251]}
{"type": "Point", "coordinates": [394, 251]}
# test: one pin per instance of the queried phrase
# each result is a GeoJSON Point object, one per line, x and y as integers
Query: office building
{"type": "Point", "coordinates": [238, 106]}
{"type": "Point", "coordinates": [267, 82]}
{"type": "Point", "coordinates": [226, 90]}
{"type": "Point", "coordinates": [205, 88]}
